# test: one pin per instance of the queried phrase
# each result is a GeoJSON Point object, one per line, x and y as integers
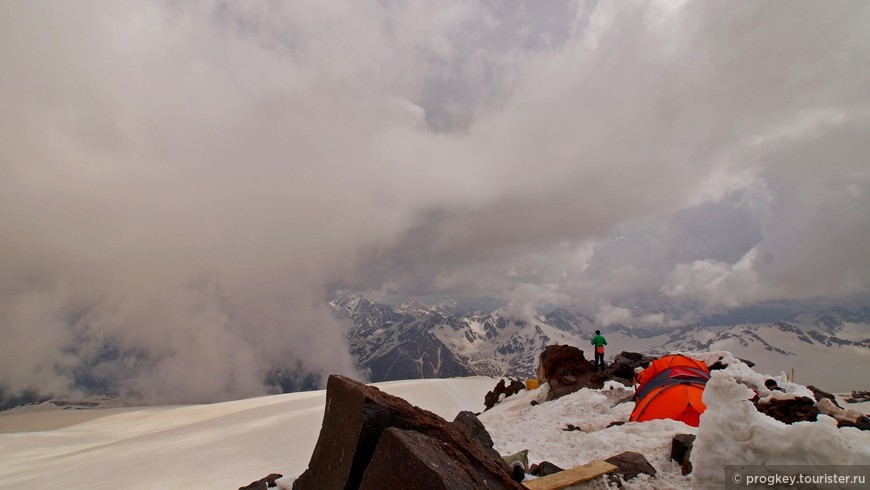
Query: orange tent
{"type": "Point", "coordinates": [671, 387]}
{"type": "Point", "coordinates": [680, 401]}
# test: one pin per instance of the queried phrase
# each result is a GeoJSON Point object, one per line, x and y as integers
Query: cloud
{"type": "Point", "coordinates": [181, 185]}
{"type": "Point", "coordinates": [695, 133]}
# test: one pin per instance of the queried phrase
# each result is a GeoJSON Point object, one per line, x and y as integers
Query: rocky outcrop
{"type": "Point", "coordinates": [790, 410]}
{"type": "Point", "coordinates": [494, 396]}
{"type": "Point", "coordinates": [565, 369]}
{"type": "Point", "coordinates": [371, 439]}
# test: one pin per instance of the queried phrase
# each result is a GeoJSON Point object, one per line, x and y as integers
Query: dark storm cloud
{"type": "Point", "coordinates": [182, 184]}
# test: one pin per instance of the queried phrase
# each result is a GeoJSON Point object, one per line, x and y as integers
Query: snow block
{"type": "Point", "coordinates": [356, 417]}
{"type": "Point", "coordinates": [733, 432]}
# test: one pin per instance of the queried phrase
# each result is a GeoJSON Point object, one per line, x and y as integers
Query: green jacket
{"type": "Point", "coordinates": [599, 341]}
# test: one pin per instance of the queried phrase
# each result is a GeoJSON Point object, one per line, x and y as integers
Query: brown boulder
{"type": "Point", "coordinates": [354, 421]}
{"type": "Point", "coordinates": [631, 464]}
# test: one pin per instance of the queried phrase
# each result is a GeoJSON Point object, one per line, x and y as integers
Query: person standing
{"type": "Point", "coordinates": [599, 342]}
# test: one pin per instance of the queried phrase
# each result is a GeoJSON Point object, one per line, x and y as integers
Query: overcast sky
{"type": "Point", "coordinates": [186, 183]}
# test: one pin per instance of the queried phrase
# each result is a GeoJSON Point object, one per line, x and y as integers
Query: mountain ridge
{"type": "Point", "coordinates": [414, 340]}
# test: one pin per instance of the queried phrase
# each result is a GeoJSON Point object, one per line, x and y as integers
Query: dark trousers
{"type": "Point", "coordinates": [599, 360]}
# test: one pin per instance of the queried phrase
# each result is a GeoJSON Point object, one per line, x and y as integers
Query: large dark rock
{"type": "Point", "coordinates": [681, 450]}
{"type": "Point", "coordinates": [468, 423]}
{"type": "Point", "coordinates": [410, 460]}
{"type": "Point", "coordinates": [631, 464]}
{"type": "Point", "coordinates": [354, 421]}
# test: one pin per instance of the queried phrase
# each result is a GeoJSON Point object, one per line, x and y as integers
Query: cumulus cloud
{"type": "Point", "coordinates": [181, 185]}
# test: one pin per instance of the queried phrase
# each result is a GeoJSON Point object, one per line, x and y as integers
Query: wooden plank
{"type": "Point", "coordinates": [571, 476]}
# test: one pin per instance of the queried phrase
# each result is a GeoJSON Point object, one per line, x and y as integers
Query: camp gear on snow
{"type": "Point", "coordinates": [521, 457]}
{"type": "Point", "coordinates": [671, 387]}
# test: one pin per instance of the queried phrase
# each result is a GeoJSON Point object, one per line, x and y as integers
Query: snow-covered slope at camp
{"type": "Point", "coordinates": [516, 425]}
{"type": "Point", "coordinates": [222, 445]}
{"type": "Point", "coordinates": [227, 445]}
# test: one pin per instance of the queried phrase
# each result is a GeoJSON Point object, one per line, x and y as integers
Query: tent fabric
{"type": "Point", "coordinates": [671, 387]}
{"type": "Point", "coordinates": [680, 374]}
{"type": "Point", "coordinates": [671, 361]}
{"type": "Point", "coordinates": [681, 401]}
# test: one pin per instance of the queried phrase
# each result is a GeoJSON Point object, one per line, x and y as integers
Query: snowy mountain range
{"type": "Point", "coordinates": [413, 340]}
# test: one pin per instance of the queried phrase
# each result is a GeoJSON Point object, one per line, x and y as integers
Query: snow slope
{"type": "Point", "coordinates": [221, 445]}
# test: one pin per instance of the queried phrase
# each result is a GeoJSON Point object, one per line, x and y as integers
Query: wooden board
{"type": "Point", "coordinates": [572, 476]}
